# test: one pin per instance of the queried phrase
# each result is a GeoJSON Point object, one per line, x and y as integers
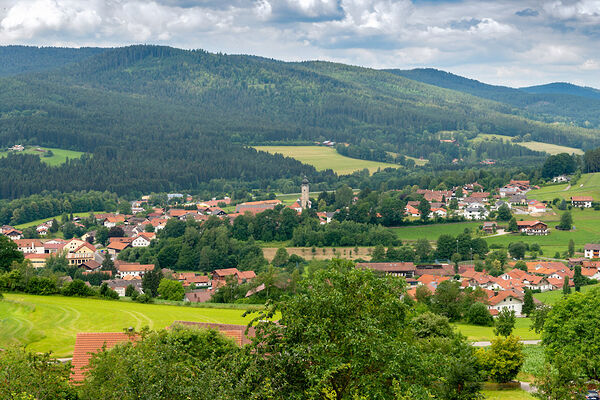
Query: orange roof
{"type": "Point", "coordinates": [226, 271]}
{"type": "Point", "coordinates": [247, 274]}
{"type": "Point", "coordinates": [28, 242]}
{"type": "Point", "coordinates": [31, 256]}
{"type": "Point", "coordinates": [118, 245]}
{"type": "Point", "coordinates": [87, 245]}
{"type": "Point", "coordinates": [134, 267]}
{"type": "Point", "coordinates": [86, 344]}
{"type": "Point", "coordinates": [502, 296]}
{"type": "Point", "coordinates": [582, 198]}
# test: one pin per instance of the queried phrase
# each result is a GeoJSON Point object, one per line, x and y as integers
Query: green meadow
{"type": "Point", "coordinates": [59, 155]}
{"type": "Point", "coordinates": [554, 296]}
{"type": "Point", "coordinates": [477, 333]}
{"type": "Point", "coordinates": [588, 185]}
{"type": "Point", "coordinates": [323, 158]}
{"type": "Point", "coordinates": [532, 145]}
{"type": "Point", "coordinates": [57, 217]}
{"type": "Point", "coordinates": [50, 323]}
{"type": "Point", "coordinates": [433, 231]}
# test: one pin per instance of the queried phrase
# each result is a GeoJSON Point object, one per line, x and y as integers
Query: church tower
{"type": "Point", "coordinates": [304, 202]}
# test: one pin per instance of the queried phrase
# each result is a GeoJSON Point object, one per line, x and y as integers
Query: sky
{"type": "Point", "coordinates": [505, 42]}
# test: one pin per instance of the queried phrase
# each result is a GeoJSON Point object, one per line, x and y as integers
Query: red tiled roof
{"type": "Point", "coordinates": [582, 198]}
{"type": "Point", "coordinates": [503, 295]}
{"type": "Point", "coordinates": [247, 274]}
{"type": "Point", "coordinates": [227, 329]}
{"type": "Point", "coordinates": [134, 267]}
{"type": "Point", "coordinates": [87, 344]}
{"type": "Point", "coordinates": [118, 245]}
{"type": "Point", "coordinates": [226, 272]}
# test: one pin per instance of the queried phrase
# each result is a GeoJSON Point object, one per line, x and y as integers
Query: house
{"type": "Point", "coordinates": [141, 241]}
{"type": "Point", "coordinates": [87, 344]}
{"type": "Point", "coordinates": [114, 220]}
{"type": "Point", "coordinates": [54, 246]}
{"type": "Point", "coordinates": [534, 207]}
{"type": "Point", "coordinates": [90, 266]}
{"type": "Point", "coordinates": [256, 206]}
{"type": "Point", "coordinates": [405, 269]}
{"type": "Point", "coordinates": [582, 201]}
{"type": "Point", "coordinates": [73, 244]}
{"type": "Point", "coordinates": [412, 211]}
{"type": "Point", "coordinates": [475, 211]}
{"type": "Point", "coordinates": [219, 276]}
{"type": "Point", "coordinates": [37, 260]}
{"type": "Point", "coordinates": [591, 250]}
{"type": "Point", "coordinates": [500, 203]}
{"type": "Point", "coordinates": [517, 199]}
{"type": "Point", "coordinates": [191, 278]}
{"type": "Point", "coordinates": [120, 285]}
{"type": "Point", "coordinates": [30, 246]}
{"type": "Point", "coordinates": [84, 253]}
{"type": "Point", "coordinates": [13, 234]}
{"type": "Point", "coordinates": [532, 227]}
{"type": "Point", "coordinates": [560, 179]}
{"type": "Point", "coordinates": [198, 296]}
{"type": "Point", "coordinates": [134, 270]}
{"type": "Point", "coordinates": [439, 196]}
{"type": "Point", "coordinates": [42, 229]}
{"type": "Point", "coordinates": [489, 227]}
{"type": "Point", "coordinates": [438, 212]}
{"type": "Point", "coordinates": [506, 300]}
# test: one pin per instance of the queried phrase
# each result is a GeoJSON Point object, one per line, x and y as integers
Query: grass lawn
{"type": "Point", "coordinates": [588, 185]}
{"type": "Point", "coordinates": [323, 158]}
{"type": "Point", "coordinates": [513, 394]}
{"type": "Point", "coordinates": [50, 323]}
{"type": "Point", "coordinates": [587, 230]}
{"type": "Point", "coordinates": [536, 146]}
{"type": "Point", "coordinates": [554, 296]}
{"type": "Point", "coordinates": [59, 157]}
{"type": "Point", "coordinates": [57, 217]}
{"type": "Point", "coordinates": [433, 231]}
{"type": "Point", "coordinates": [486, 333]}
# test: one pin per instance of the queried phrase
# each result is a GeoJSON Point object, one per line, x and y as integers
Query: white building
{"type": "Point", "coordinates": [592, 250]}
{"type": "Point", "coordinates": [506, 300]}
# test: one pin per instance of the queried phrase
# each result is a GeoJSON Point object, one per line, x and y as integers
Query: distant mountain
{"type": "Point", "coordinates": [555, 102]}
{"type": "Point", "coordinates": [157, 118]}
{"type": "Point", "coordinates": [564, 88]}
{"type": "Point", "coordinates": [22, 59]}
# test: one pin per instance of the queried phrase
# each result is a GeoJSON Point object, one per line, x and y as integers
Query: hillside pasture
{"type": "Point", "coordinates": [433, 231]}
{"type": "Point", "coordinates": [531, 145]}
{"type": "Point", "coordinates": [322, 253]}
{"type": "Point", "coordinates": [588, 185]}
{"type": "Point", "coordinates": [59, 155]}
{"type": "Point", "coordinates": [323, 158]}
{"type": "Point", "coordinates": [57, 217]}
{"type": "Point", "coordinates": [554, 296]}
{"type": "Point", "coordinates": [50, 323]}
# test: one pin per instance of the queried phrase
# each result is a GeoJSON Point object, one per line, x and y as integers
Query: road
{"type": "Point", "coordinates": [486, 343]}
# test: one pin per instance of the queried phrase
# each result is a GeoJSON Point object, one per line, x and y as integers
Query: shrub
{"type": "Point", "coordinates": [479, 314]}
{"type": "Point", "coordinates": [503, 360]}
{"type": "Point", "coordinates": [77, 288]}
{"type": "Point", "coordinates": [144, 298]}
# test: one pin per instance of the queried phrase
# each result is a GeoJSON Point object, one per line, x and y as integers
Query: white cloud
{"type": "Point", "coordinates": [489, 40]}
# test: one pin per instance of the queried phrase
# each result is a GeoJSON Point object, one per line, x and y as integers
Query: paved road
{"type": "Point", "coordinates": [485, 343]}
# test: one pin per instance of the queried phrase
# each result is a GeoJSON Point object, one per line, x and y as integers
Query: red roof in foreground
{"type": "Point", "coordinates": [86, 344]}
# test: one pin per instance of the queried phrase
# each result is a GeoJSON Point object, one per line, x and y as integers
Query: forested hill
{"type": "Point", "coordinates": [564, 88]}
{"type": "Point", "coordinates": [20, 59]}
{"type": "Point", "coordinates": [555, 102]}
{"type": "Point", "coordinates": [156, 118]}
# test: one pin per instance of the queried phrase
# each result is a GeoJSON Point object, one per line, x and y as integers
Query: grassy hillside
{"type": "Point", "coordinates": [59, 156]}
{"type": "Point", "coordinates": [323, 158]}
{"type": "Point", "coordinates": [50, 323]}
{"type": "Point", "coordinates": [588, 185]}
{"type": "Point", "coordinates": [555, 295]}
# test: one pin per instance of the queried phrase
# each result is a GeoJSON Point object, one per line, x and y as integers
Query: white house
{"type": "Point", "coordinates": [475, 211]}
{"type": "Point", "coordinates": [506, 300]}
{"type": "Point", "coordinates": [133, 270]}
{"type": "Point", "coordinates": [140, 241]}
{"type": "Point", "coordinates": [591, 250]}
{"type": "Point", "coordinates": [582, 201]}
{"type": "Point", "coordinates": [560, 179]}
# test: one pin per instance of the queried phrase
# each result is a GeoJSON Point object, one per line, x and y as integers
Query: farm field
{"type": "Point", "coordinates": [60, 156]}
{"type": "Point", "coordinates": [554, 296]}
{"type": "Point", "coordinates": [485, 333]}
{"type": "Point", "coordinates": [588, 185]}
{"type": "Point", "coordinates": [57, 217]}
{"type": "Point", "coordinates": [532, 145]}
{"type": "Point", "coordinates": [587, 230]}
{"type": "Point", "coordinates": [323, 158]}
{"type": "Point", "coordinates": [433, 231]}
{"type": "Point", "coordinates": [50, 323]}
{"type": "Point", "coordinates": [322, 253]}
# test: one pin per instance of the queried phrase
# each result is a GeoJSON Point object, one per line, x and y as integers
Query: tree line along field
{"type": "Point", "coordinates": [323, 158]}
{"type": "Point", "coordinates": [50, 323]}
{"type": "Point", "coordinates": [551, 149]}
{"type": "Point", "coordinates": [59, 155]}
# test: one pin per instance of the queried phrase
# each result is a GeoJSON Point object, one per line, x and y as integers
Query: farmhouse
{"type": "Point", "coordinates": [535, 206]}
{"type": "Point", "coordinates": [582, 201]}
{"type": "Point", "coordinates": [506, 300]}
{"type": "Point", "coordinates": [405, 269]}
{"type": "Point", "coordinates": [475, 211]}
{"type": "Point", "coordinates": [30, 246]}
{"type": "Point", "coordinates": [489, 227]}
{"type": "Point", "coordinates": [132, 269]}
{"type": "Point", "coordinates": [84, 253]}
{"type": "Point", "coordinates": [532, 227]}
{"type": "Point", "coordinates": [591, 250]}
{"type": "Point", "coordinates": [37, 260]}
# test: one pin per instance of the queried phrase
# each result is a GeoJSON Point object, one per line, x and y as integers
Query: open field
{"type": "Point", "coordinates": [57, 217]}
{"type": "Point", "coordinates": [433, 231]}
{"type": "Point", "coordinates": [322, 253]}
{"type": "Point", "coordinates": [512, 394]}
{"type": "Point", "coordinates": [50, 323]}
{"type": "Point", "coordinates": [588, 185]}
{"type": "Point", "coordinates": [554, 296]}
{"type": "Point", "coordinates": [587, 230]}
{"type": "Point", "coordinates": [59, 157]}
{"type": "Point", "coordinates": [485, 333]}
{"type": "Point", "coordinates": [323, 158]}
{"type": "Point", "coordinates": [536, 146]}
